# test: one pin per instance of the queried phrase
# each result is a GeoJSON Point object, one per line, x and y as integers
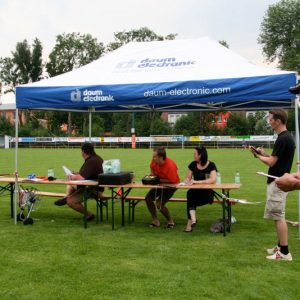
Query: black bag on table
{"type": "Point", "coordinates": [150, 179]}
{"type": "Point", "coordinates": [115, 178]}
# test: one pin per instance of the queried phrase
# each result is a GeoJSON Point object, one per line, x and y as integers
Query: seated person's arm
{"type": "Point", "coordinates": [212, 177]}
{"type": "Point", "coordinates": [76, 177]}
{"type": "Point", "coordinates": [188, 177]}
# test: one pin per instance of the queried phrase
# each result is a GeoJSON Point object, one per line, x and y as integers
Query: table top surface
{"type": "Point", "coordinates": [223, 186]}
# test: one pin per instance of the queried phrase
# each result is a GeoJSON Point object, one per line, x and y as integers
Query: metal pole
{"type": "Point", "coordinates": [16, 198]}
{"type": "Point", "coordinates": [297, 149]}
{"type": "Point", "coordinates": [90, 125]}
{"type": "Point", "coordinates": [133, 140]}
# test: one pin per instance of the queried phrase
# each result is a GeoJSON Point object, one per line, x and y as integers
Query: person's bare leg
{"type": "Point", "coordinates": [70, 189]}
{"type": "Point", "coordinates": [164, 210]}
{"type": "Point", "coordinates": [77, 206]}
{"type": "Point", "coordinates": [193, 216]}
{"type": "Point", "coordinates": [152, 209]}
{"type": "Point", "coordinates": [188, 227]}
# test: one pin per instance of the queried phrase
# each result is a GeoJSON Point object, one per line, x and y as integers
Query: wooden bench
{"type": "Point", "coordinates": [101, 202]}
{"type": "Point", "coordinates": [50, 194]}
{"type": "Point", "coordinates": [134, 200]}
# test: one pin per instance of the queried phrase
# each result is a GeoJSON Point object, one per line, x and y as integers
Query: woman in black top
{"type": "Point", "coordinates": [201, 170]}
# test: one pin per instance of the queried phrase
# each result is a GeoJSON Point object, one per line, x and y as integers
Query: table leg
{"type": "Point", "coordinates": [10, 188]}
{"type": "Point", "coordinates": [85, 206]}
{"type": "Point", "coordinates": [228, 212]}
{"type": "Point", "coordinates": [112, 210]}
{"type": "Point", "coordinates": [124, 195]}
{"type": "Point", "coordinates": [224, 214]}
{"type": "Point", "coordinates": [122, 206]}
{"type": "Point", "coordinates": [129, 212]}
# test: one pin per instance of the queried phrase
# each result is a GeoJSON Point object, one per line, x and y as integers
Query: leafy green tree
{"type": "Point", "coordinates": [24, 66]}
{"type": "Point", "coordinates": [142, 34]}
{"type": "Point", "coordinates": [70, 52]}
{"type": "Point", "coordinates": [145, 124]}
{"type": "Point", "coordinates": [280, 34]}
{"type": "Point", "coordinates": [224, 43]}
{"type": "Point", "coordinates": [237, 124]}
{"type": "Point", "coordinates": [107, 121]}
{"type": "Point", "coordinates": [187, 125]}
{"type": "Point", "coordinates": [258, 116]}
{"type": "Point", "coordinates": [6, 128]}
{"type": "Point", "coordinates": [160, 127]}
{"type": "Point", "coordinates": [97, 126]}
{"type": "Point", "coordinates": [213, 129]}
{"type": "Point", "coordinates": [262, 128]}
{"type": "Point", "coordinates": [291, 120]}
{"type": "Point", "coordinates": [122, 124]}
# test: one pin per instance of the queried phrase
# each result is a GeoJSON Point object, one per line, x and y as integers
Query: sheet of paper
{"type": "Point", "coordinates": [67, 171]}
{"type": "Point", "coordinates": [183, 184]}
{"type": "Point", "coordinates": [81, 181]}
{"type": "Point", "coordinates": [243, 201]}
{"type": "Point", "coordinates": [265, 174]}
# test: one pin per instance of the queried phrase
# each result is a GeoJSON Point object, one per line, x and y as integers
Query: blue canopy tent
{"type": "Point", "coordinates": [178, 75]}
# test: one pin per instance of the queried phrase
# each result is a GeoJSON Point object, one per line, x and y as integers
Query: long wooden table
{"type": "Point", "coordinates": [9, 185]}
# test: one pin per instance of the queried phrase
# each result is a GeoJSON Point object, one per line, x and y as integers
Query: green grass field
{"type": "Point", "coordinates": [56, 258]}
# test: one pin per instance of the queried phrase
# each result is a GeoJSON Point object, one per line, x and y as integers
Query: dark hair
{"type": "Point", "coordinates": [161, 152]}
{"type": "Point", "coordinates": [88, 149]}
{"type": "Point", "coordinates": [279, 114]}
{"type": "Point", "coordinates": [203, 154]}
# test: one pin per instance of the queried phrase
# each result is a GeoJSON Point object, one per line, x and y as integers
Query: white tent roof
{"type": "Point", "coordinates": [165, 75]}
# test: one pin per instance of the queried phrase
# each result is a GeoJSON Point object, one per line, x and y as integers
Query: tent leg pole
{"type": "Point", "coordinates": [297, 149]}
{"type": "Point", "coordinates": [90, 126]}
{"type": "Point", "coordinates": [16, 190]}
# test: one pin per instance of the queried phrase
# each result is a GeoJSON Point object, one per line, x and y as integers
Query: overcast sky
{"type": "Point", "coordinates": [235, 21]}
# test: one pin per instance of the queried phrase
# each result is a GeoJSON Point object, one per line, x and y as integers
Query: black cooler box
{"type": "Point", "coordinates": [115, 178]}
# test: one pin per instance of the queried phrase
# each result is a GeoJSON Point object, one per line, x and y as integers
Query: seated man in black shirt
{"type": "Point", "coordinates": [90, 170]}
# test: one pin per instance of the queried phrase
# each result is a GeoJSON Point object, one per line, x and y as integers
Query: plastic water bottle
{"type": "Point", "coordinates": [219, 180]}
{"type": "Point", "coordinates": [50, 172]}
{"type": "Point", "coordinates": [237, 178]}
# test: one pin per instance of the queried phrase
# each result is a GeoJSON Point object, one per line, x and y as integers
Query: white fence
{"type": "Point", "coordinates": [152, 141]}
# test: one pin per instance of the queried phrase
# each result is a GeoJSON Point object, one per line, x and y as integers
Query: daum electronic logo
{"type": "Point", "coordinates": [90, 96]}
{"type": "Point", "coordinates": [76, 96]}
{"type": "Point", "coordinates": [169, 62]}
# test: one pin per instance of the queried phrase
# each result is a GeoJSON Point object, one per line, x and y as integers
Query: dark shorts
{"type": "Point", "coordinates": [161, 195]}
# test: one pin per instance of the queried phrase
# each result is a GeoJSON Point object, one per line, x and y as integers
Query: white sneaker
{"type": "Point", "coordinates": [273, 250]}
{"type": "Point", "coordinates": [280, 256]}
